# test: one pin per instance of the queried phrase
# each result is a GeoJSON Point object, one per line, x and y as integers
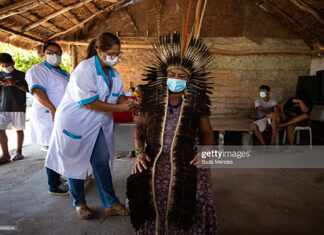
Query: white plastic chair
{"type": "Point", "coordinates": [298, 129]}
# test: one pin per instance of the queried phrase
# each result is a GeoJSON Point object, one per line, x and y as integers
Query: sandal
{"type": "Point", "coordinates": [117, 209]}
{"type": "Point", "coordinates": [18, 157]}
{"type": "Point", "coordinates": [4, 161]}
{"type": "Point", "coordinates": [83, 211]}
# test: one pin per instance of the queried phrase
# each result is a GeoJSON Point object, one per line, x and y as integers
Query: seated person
{"type": "Point", "coordinates": [267, 115]}
{"type": "Point", "coordinates": [131, 90]}
{"type": "Point", "coordinates": [139, 93]}
{"type": "Point", "coordinates": [297, 110]}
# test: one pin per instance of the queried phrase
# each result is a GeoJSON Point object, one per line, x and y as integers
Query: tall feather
{"type": "Point", "coordinates": [185, 32]}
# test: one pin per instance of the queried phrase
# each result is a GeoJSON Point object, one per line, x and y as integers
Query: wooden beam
{"type": "Point", "coordinates": [92, 7]}
{"type": "Point", "coordinates": [263, 52]}
{"type": "Point", "coordinates": [107, 8]}
{"type": "Point", "coordinates": [77, 43]}
{"type": "Point", "coordinates": [69, 16]}
{"type": "Point", "coordinates": [290, 19]}
{"type": "Point", "coordinates": [20, 7]}
{"type": "Point", "coordinates": [214, 50]}
{"type": "Point", "coordinates": [305, 7]}
{"type": "Point", "coordinates": [55, 14]}
{"type": "Point", "coordinates": [15, 5]}
{"type": "Point", "coordinates": [7, 30]}
{"type": "Point", "coordinates": [30, 21]}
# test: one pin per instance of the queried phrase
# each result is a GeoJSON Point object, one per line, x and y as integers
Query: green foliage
{"type": "Point", "coordinates": [25, 59]}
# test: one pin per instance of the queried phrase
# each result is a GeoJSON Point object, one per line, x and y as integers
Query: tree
{"type": "Point", "coordinates": [25, 59]}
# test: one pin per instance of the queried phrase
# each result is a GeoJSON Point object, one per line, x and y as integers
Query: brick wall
{"type": "Point", "coordinates": [317, 64]}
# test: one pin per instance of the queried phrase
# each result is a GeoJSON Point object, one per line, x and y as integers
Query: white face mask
{"type": "Point", "coordinates": [111, 61]}
{"type": "Point", "coordinates": [53, 60]}
{"type": "Point", "coordinates": [263, 94]}
{"type": "Point", "coordinates": [176, 85]}
{"type": "Point", "coordinates": [8, 69]}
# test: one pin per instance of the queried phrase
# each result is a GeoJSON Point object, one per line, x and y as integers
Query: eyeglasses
{"type": "Point", "coordinates": [113, 55]}
{"type": "Point", "coordinates": [50, 52]}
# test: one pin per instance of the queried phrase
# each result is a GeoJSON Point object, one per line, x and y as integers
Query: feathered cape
{"type": "Point", "coordinates": [182, 190]}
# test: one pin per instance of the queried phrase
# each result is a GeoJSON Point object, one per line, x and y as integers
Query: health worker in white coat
{"type": "Point", "coordinates": [47, 82]}
{"type": "Point", "coordinates": [83, 126]}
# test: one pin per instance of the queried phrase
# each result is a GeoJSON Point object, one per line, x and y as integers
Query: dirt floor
{"type": "Point", "coordinates": [247, 201]}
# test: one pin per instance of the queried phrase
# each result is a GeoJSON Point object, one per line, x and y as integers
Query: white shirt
{"type": "Point", "coordinates": [267, 106]}
{"type": "Point", "coordinates": [76, 128]}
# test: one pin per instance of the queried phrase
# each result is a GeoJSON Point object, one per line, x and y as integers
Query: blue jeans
{"type": "Point", "coordinates": [100, 164]}
{"type": "Point", "coordinates": [53, 179]}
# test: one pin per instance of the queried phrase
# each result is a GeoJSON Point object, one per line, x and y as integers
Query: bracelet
{"type": "Point", "coordinates": [139, 150]}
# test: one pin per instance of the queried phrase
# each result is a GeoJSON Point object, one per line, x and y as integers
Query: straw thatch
{"type": "Point", "coordinates": [27, 23]}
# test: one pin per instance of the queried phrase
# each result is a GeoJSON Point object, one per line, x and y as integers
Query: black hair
{"type": "Point", "coordinates": [5, 58]}
{"type": "Point", "coordinates": [302, 94]}
{"type": "Point", "coordinates": [49, 43]}
{"type": "Point", "coordinates": [265, 87]}
{"type": "Point", "coordinates": [132, 88]}
{"type": "Point", "coordinates": [104, 41]}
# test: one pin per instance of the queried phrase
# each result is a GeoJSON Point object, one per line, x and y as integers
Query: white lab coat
{"type": "Point", "coordinates": [75, 127]}
{"type": "Point", "coordinates": [53, 82]}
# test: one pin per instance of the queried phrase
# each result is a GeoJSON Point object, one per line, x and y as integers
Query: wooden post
{"type": "Point", "coordinates": [158, 15]}
{"type": "Point", "coordinates": [74, 57]}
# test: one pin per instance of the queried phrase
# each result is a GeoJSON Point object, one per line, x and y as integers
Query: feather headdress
{"type": "Point", "coordinates": [182, 50]}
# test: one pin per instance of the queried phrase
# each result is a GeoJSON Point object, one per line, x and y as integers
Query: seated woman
{"type": "Point", "coordinates": [297, 111]}
{"type": "Point", "coordinates": [167, 193]}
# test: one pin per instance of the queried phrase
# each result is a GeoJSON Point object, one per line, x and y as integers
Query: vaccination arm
{"type": "Point", "coordinates": [101, 106]}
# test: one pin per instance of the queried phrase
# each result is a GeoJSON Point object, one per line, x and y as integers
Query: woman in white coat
{"type": "Point", "coordinates": [83, 127]}
{"type": "Point", "coordinates": [47, 82]}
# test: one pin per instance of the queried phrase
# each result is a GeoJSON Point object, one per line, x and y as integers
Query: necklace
{"type": "Point", "coordinates": [171, 107]}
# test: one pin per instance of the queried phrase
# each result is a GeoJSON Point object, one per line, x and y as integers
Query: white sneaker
{"type": "Point", "coordinates": [44, 148]}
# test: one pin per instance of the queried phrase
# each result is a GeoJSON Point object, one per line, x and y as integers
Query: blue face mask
{"type": "Point", "coordinates": [263, 94]}
{"type": "Point", "coordinates": [176, 85]}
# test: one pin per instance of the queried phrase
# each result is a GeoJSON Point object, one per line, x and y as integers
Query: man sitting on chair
{"type": "Point", "coordinates": [267, 115]}
{"type": "Point", "coordinates": [297, 111]}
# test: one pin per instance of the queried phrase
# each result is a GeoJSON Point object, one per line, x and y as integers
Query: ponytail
{"type": "Point", "coordinates": [104, 41]}
{"type": "Point", "coordinates": [91, 51]}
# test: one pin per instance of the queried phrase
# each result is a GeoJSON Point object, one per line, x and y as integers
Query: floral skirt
{"type": "Point", "coordinates": [204, 218]}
